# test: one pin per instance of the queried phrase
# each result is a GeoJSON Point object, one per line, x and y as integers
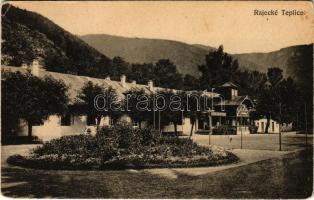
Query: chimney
{"type": "Point", "coordinates": [108, 78]}
{"type": "Point", "coordinates": [35, 68]}
{"type": "Point", "coordinates": [151, 85]}
{"type": "Point", "coordinates": [123, 79]}
{"type": "Point", "coordinates": [134, 82]}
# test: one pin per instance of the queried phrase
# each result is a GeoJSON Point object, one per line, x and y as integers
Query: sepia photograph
{"type": "Point", "coordinates": [157, 99]}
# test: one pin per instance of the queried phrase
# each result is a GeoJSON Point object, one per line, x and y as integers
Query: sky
{"type": "Point", "coordinates": [232, 24]}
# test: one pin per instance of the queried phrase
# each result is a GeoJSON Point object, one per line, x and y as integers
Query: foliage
{"type": "Point", "coordinates": [250, 82]}
{"type": "Point", "coordinates": [170, 106]}
{"type": "Point", "coordinates": [86, 101]}
{"type": "Point", "coordinates": [28, 35]}
{"type": "Point", "coordinates": [190, 83]}
{"type": "Point", "coordinates": [195, 103]}
{"type": "Point", "coordinates": [131, 103]}
{"type": "Point", "coordinates": [160, 72]}
{"type": "Point", "coordinates": [274, 100]}
{"type": "Point", "coordinates": [32, 99]}
{"type": "Point", "coordinates": [300, 68]}
{"type": "Point", "coordinates": [122, 147]}
{"type": "Point", "coordinates": [219, 68]}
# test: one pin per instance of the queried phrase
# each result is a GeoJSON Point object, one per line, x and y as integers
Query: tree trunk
{"type": "Point", "coordinates": [267, 124]}
{"type": "Point", "coordinates": [175, 129]}
{"type": "Point", "coordinates": [30, 131]}
{"type": "Point", "coordinates": [192, 127]}
{"type": "Point", "coordinates": [140, 124]}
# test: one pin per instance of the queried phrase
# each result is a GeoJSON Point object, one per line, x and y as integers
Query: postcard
{"type": "Point", "coordinates": [157, 99]}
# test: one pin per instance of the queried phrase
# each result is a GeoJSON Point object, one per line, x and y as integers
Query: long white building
{"type": "Point", "coordinates": [232, 111]}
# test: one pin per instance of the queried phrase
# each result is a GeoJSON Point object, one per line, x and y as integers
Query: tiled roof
{"type": "Point", "coordinates": [235, 101]}
{"type": "Point", "coordinates": [229, 84]}
{"type": "Point", "coordinates": [76, 82]}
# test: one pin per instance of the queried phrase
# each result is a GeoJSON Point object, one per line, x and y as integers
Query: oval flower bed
{"type": "Point", "coordinates": [122, 147]}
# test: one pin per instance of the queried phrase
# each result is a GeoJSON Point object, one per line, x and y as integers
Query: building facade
{"type": "Point", "coordinates": [229, 110]}
{"type": "Point", "coordinates": [273, 127]}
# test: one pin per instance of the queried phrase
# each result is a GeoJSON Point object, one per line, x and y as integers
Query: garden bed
{"type": "Point", "coordinates": [120, 148]}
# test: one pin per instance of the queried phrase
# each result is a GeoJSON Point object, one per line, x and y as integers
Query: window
{"type": "Point", "coordinates": [66, 120]}
{"type": "Point", "coordinates": [235, 92]}
{"type": "Point", "coordinates": [262, 126]}
{"type": "Point", "coordinates": [273, 126]}
{"type": "Point", "coordinates": [91, 120]}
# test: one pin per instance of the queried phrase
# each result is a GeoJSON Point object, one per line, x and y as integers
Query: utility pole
{"type": "Point", "coordinates": [241, 132]}
{"type": "Point", "coordinates": [210, 126]}
{"type": "Point", "coordinates": [305, 125]}
{"type": "Point", "coordinates": [159, 121]}
{"type": "Point", "coordinates": [154, 113]}
{"type": "Point", "coordinates": [210, 115]}
{"type": "Point", "coordinates": [279, 126]}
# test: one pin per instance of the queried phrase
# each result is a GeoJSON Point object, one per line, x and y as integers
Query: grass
{"type": "Point", "coordinates": [290, 141]}
{"type": "Point", "coordinates": [111, 148]}
{"type": "Point", "coordinates": [289, 176]}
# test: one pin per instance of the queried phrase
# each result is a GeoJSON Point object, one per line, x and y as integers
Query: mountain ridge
{"type": "Point", "coordinates": [186, 56]}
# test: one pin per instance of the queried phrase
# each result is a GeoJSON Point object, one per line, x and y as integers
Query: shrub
{"type": "Point", "coordinates": [121, 147]}
{"type": "Point", "coordinates": [74, 144]}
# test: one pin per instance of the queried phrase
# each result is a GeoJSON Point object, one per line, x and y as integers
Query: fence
{"type": "Point", "coordinates": [289, 141]}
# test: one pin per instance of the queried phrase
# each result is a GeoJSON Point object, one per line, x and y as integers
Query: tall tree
{"type": "Point", "coordinates": [278, 99]}
{"type": "Point", "coordinates": [108, 100]}
{"type": "Point", "coordinates": [192, 102]}
{"type": "Point", "coordinates": [132, 98]}
{"type": "Point", "coordinates": [190, 83]}
{"type": "Point", "coordinates": [32, 99]}
{"type": "Point", "coordinates": [165, 70]}
{"type": "Point", "coordinates": [118, 67]}
{"type": "Point", "coordinates": [250, 82]}
{"type": "Point", "coordinates": [219, 68]}
{"type": "Point", "coordinates": [172, 111]}
{"type": "Point", "coordinates": [300, 68]}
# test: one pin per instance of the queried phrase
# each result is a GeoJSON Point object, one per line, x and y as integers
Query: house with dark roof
{"type": "Point", "coordinates": [229, 108]}
{"type": "Point", "coordinates": [236, 107]}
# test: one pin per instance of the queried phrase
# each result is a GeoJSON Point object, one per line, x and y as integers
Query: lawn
{"type": "Point", "coordinates": [258, 174]}
{"type": "Point", "coordinates": [290, 141]}
{"type": "Point", "coordinates": [286, 176]}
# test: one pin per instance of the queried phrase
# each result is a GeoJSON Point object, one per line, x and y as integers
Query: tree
{"type": "Point", "coordinates": [32, 99]}
{"type": "Point", "coordinates": [132, 98]}
{"type": "Point", "coordinates": [300, 68]}
{"type": "Point", "coordinates": [172, 111]}
{"type": "Point", "coordinates": [250, 82]}
{"type": "Point", "coordinates": [193, 104]}
{"type": "Point", "coordinates": [278, 99]}
{"type": "Point", "coordinates": [86, 102]}
{"type": "Point", "coordinates": [190, 83]}
{"type": "Point", "coordinates": [119, 67]}
{"type": "Point", "coordinates": [219, 68]}
{"type": "Point", "coordinates": [165, 70]}
{"type": "Point", "coordinates": [142, 73]}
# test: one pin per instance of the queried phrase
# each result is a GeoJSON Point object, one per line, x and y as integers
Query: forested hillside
{"type": "Point", "coordinates": [27, 35]}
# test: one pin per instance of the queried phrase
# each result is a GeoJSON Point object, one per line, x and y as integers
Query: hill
{"type": "Point", "coordinates": [27, 35]}
{"type": "Point", "coordinates": [280, 58]}
{"type": "Point", "coordinates": [138, 50]}
{"type": "Point", "coordinates": [187, 57]}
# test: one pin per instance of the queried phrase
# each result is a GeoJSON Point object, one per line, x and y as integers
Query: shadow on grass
{"type": "Point", "coordinates": [289, 176]}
